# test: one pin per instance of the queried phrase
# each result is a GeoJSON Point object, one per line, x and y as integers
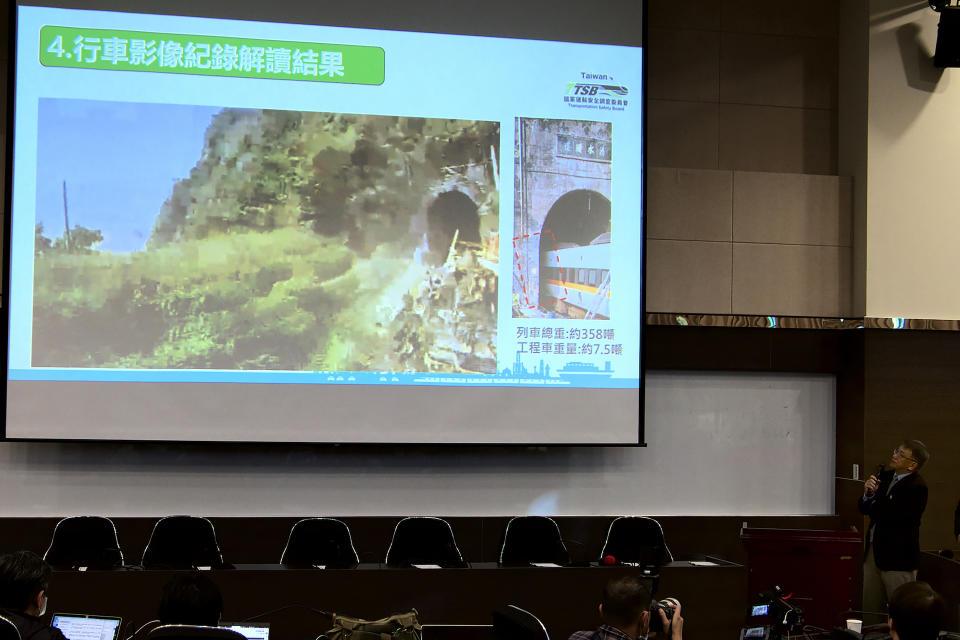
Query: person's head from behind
{"type": "Point", "coordinates": [626, 605]}
{"type": "Point", "coordinates": [916, 612]}
{"type": "Point", "coordinates": [24, 578]}
{"type": "Point", "coordinates": [190, 598]}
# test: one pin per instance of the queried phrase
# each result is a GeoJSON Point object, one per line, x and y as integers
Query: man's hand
{"type": "Point", "coordinates": [870, 486]}
{"type": "Point", "coordinates": [674, 626]}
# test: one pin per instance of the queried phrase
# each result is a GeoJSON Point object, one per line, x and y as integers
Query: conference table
{"type": "Point", "coordinates": [296, 602]}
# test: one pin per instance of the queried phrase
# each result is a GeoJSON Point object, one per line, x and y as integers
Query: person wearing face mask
{"type": "Point", "coordinates": [625, 612]}
{"type": "Point", "coordinates": [24, 578]}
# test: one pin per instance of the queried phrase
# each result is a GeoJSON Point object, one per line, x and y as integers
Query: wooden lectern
{"type": "Point", "coordinates": [822, 570]}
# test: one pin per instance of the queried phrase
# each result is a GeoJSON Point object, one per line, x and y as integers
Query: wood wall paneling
{"type": "Point", "coordinates": [911, 391]}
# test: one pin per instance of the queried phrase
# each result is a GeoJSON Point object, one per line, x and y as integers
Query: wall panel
{"type": "Point", "coordinates": [696, 464]}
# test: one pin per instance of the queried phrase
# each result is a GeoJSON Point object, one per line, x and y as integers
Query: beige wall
{"type": "Point", "coordinates": [913, 221]}
{"type": "Point", "coordinates": [750, 132]}
{"type": "Point", "coordinates": [748, 242]}
{"type": "Point", "coordinates": [853, 49]}
{"type": "Point", "coordinates": [746, 213]}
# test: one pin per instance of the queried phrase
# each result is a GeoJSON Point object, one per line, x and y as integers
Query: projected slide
{"type": "Point", "coordinates": [562, 227]}
{"type": "Point", "coordinates": [235, 213]}
{"type": "Point", "coordinates": [299, 241]}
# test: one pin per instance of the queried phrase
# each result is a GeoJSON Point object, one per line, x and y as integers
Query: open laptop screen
{"type": "Point", "coordinates": [85, 627]}
{"type": "Point", "coordinates": [249, 630]}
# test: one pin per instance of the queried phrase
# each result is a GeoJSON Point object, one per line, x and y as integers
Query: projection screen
{"type": "Point", "coordinates": [308, 222]}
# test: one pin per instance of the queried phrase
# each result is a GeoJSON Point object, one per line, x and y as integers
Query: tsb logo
{"type": "Point", "coordinates": [583, 89]}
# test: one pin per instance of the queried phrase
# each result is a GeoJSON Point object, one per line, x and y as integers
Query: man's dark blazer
{"type": "Point", "coordinates": [895, 521]}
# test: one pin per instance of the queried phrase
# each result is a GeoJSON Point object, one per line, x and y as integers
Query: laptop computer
{"type": "Point", "coordinates": [249, 630]}
{"type": "Point", "coordinates": [79, 626]}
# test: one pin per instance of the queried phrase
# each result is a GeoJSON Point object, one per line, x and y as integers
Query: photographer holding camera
{"type": "Point", "coordinates": [627, 614]}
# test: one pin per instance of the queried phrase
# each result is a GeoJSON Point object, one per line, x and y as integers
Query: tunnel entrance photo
{"type": "Point", "coordinates": [453, 212]}
{"type": "Point", "coordinates": [562, 219]}
{"type": "Point", "coordinates": [575, 256]}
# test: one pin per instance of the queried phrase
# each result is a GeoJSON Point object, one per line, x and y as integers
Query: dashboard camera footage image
{"type": "Point", "coordinates": [230, 230]}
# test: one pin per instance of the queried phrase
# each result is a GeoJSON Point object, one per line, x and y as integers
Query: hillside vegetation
{"type": "Point", "coordinates": [297, 243]}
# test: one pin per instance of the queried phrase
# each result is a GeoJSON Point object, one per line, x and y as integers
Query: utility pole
{"type": "Point", "coordinates": [66, 220]}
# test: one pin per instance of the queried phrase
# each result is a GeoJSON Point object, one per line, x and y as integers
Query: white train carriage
{"type": "Point", "coordinates": [578, 276]}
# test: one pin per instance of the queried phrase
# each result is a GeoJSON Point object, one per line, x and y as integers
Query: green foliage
{"type": "Point", "coordinates": [41, 243]}
{"type": "Point", "coordinates": [288, 247]}
{"type": "Point", "coordinates": [356, 177]}
{"type": "Point", "coordinates": [236, 301]}
{"type": "Point", "coordinates": [82, 240]}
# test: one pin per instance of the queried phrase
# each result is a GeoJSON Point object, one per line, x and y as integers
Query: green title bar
{"type": "Point", "coordinates": [108, 49]}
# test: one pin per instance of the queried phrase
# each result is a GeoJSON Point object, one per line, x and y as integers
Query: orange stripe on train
{"type": "Point", "coordinates": [579, 287]}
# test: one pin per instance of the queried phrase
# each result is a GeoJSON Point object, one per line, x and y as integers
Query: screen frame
{"type": "Point", "coordinates": [90, 616]}
{"type": "Point", "coordinates": [378, 14]}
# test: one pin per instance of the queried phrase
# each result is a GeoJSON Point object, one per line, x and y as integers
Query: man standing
{"type": "Point", "coordinates": [895, 501]}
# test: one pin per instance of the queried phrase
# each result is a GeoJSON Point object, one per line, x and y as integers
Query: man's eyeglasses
{"type": "Point", "coordinates": [900, 453]}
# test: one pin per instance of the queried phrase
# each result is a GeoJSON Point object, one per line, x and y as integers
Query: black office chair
{"type": "Point", "coordinates": [84, 541]}
{"type": "Point", "coordinates": [529, 539]}
{"type": "Point", "coordinates": [320, 541]}
{"type": "Point", "coordinates": [637, 540]}
{"type": "Point", "coordinates": [513, 623]}
{"type": "Point", "coordinates": [182, 542]}
{"type": "Point", "coordinates": [424, 540]}
{"type": "Point", "coordinates": [8, 630]}
{"type": "Point", "coordinates": [193, 632]}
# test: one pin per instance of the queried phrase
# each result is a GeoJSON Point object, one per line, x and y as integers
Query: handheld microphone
{"type": "Point", "coordinates": [876, 473]}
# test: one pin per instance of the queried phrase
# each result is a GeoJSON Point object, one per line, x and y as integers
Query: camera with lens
{"type": "Point", "coordinates": [668, 606]}
{"type": "Point", "coordinates": [774, 618]}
